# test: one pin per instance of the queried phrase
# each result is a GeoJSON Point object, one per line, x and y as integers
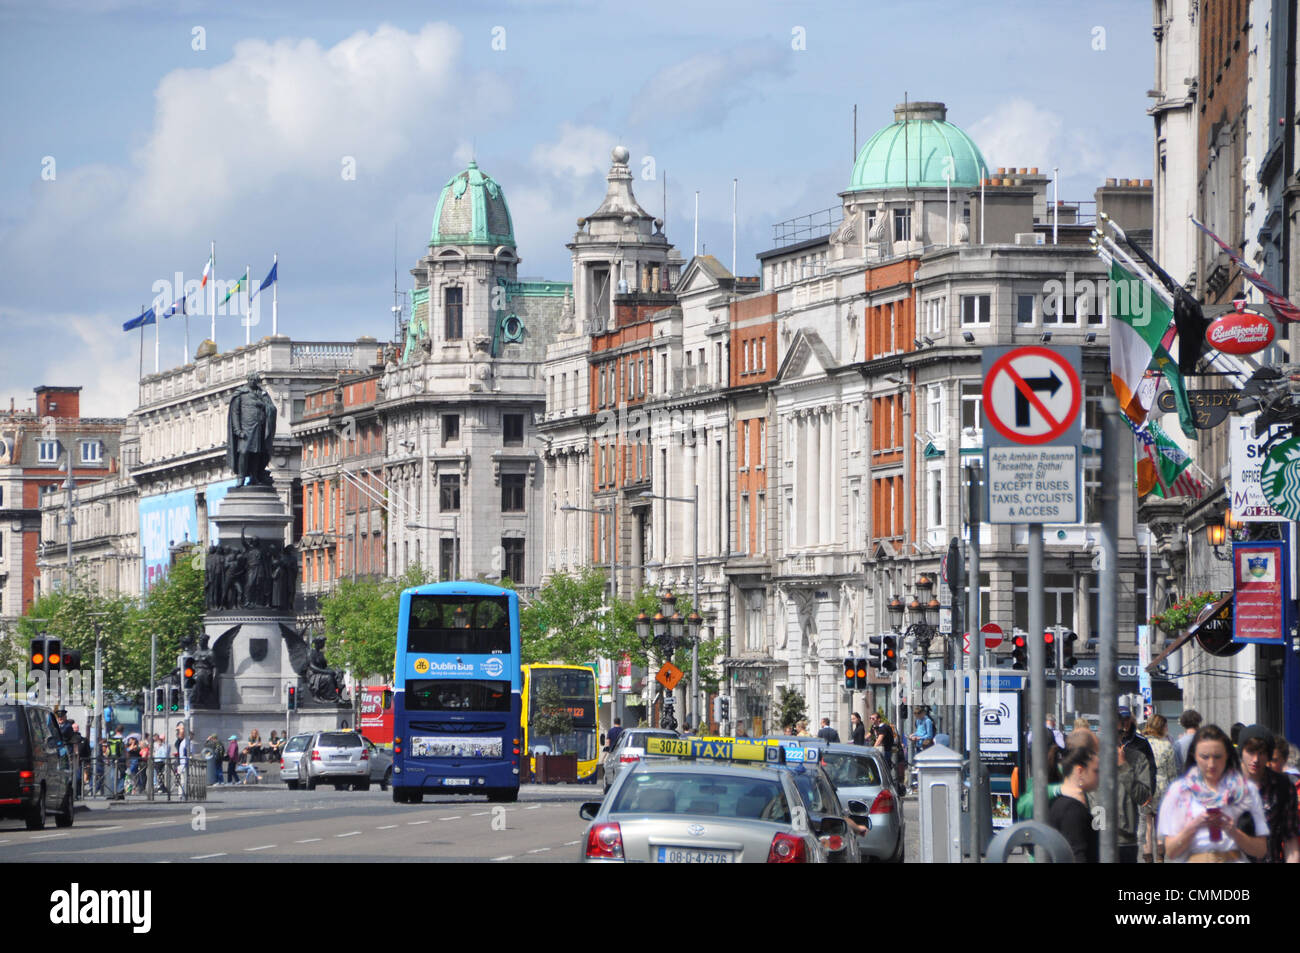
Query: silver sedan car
{"type": "Point", "coordinates": [707, 812]}
{"type": "Point", "coordinates": [289, 759]}
{"type": "Point", "coordinates": [628, 750]}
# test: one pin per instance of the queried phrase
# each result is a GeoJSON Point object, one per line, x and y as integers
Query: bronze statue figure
{"type": "Point", "coordinates": [250, 428]}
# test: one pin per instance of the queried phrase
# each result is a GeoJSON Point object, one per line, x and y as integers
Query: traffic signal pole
{"type": "Point", "coordinates": [1037, 675]}
{"type": "Point", "coordinates": [978, 800]}
{"type": "Point", "coordinates": [1107, 630]}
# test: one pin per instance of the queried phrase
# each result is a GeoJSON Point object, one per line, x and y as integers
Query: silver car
{"type": "Point", "coordinates": [289, 759]}
{"type": "Point", "coordinates": [381, 763]}
{"type": "Point", "coordinates": [710, 812]}
{"type": "Point", "coordinates": [627, 751]}
{"type": "Point", "coordinates": [335, 757]}
{"type": "Point", "coordinates": [864, 774]}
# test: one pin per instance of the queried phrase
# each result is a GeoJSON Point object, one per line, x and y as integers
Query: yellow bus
{"type": "Point", "coordinates": [575, 691]}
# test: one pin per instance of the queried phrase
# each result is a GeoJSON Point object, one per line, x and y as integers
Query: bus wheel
{"type": "Point", "coordinates": [506, 795]}
{"type": "Point", "coordinates": [399, 795]}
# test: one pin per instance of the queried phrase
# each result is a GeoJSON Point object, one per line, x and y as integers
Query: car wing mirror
{"type": "Point", "coordinates": [589, 810]}
{"type": "Point", "coordinates": [857, 807]}
{"type": "Point", "coordinates": [832, 825]}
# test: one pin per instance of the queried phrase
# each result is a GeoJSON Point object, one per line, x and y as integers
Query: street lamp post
{"type": "Point", "coordinates": [922, 629]}
{"type": "Point", "coordinates": [666, 631]}
{"type": "Point", "coordinates": [694, 500]}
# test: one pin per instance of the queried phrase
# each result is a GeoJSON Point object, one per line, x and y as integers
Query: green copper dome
{"type": "Point", "coordinates": [918, 150]}
{"type": "Point", "coordinates": [472, 210]}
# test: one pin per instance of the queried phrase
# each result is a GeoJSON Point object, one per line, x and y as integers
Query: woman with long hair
{"type": "Point", "coordinates": [1157, 734]}
{"type": "Point", "coordinates": [1200, 813]}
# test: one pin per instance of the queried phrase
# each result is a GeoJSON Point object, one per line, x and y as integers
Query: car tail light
{"type": "Point", "coordinates": [787, 849]}
{"type": "Point", "coordinates": [834, 843]}
{"type": "Point", "coordinates": [25, 775]}
{"type": "Point", "coordinates": [884, 802]}
{"type": "Point", "coordinates": [282, 764]}
{"type": "Point", "coordinates": [628, 758]}
{"type": "Point", "coordinates": [315, 754]}
{"type": "Point", "coordinates": [605, 841]}
{"type": "Point", "coordinates": [365, 755]}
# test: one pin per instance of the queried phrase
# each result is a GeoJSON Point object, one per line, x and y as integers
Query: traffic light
{"type": "Point", "coordinates": [1018, 657]}
{"type": "Point", "coordinates": [860, 675]}
{"type": "Point", "coordinates": [72, 660]}
{"type": "Point", "coordinates": [876, 651]}
{"type": "Point", "coordinates": [850, 674]}
{"type": "Point", "coordinates": [1067, 650]}
{"type": "Point", "coordinates": [159, 700]}
{"type": "Point", "coordinates": [725, 708]}
{"type": "Point", "coordinates": [46, 654]}
{"type": "Point", "coordinates": [889, 654]}
{"type": "Point", "coordinates": [187, 671]}
{"type": "Point", "coordinates": [175, 699]}
{"type": "Point", "coordinates": [292, 703]}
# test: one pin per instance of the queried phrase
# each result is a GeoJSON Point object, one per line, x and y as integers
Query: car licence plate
{"type": "Point", "coordinates": [461, 781]}
{"type": "Point", "coordinates": [689, 855]}
{"type": "Point", "coordinates": [338, 757]}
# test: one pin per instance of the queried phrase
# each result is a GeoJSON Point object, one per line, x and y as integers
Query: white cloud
{"type": "Point", "coordinates": [1020, 133]}
{"type": "Point", "coordinates": [577, 152]}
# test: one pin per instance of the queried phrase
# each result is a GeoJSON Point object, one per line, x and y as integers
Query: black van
{"type": "Point", "coordinates": [35, 767]}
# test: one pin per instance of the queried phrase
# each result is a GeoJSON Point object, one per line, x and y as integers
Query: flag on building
{"type": "Point", "coordinates": [1168, 468]}
{"type": "Point", "coordinates": [229, 294]}
{"type": "Point", "coordinates": [1189, 319]}
{"type": "Point", "coordinates": [269, 280]}
{"type": "Point", "coordinates": [1282, 308]}
{"type": "Point", "coordinates": [178, 307]}
{"type": "Point", "coordinates": [149, 317]}
{"type": "Point", "coordinates": [207, 273]}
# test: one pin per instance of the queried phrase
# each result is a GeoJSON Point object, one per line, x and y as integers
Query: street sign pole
{"type": "Point", "coordinates": [1037, 674]}
{"type": "Point", "coordinates": [978, 799]}
{"type": "Point", "coordinates": [1107, 630]}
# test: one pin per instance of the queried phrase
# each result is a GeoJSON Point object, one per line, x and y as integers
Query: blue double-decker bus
{"type": "Point", "coordinates": [456, 693]}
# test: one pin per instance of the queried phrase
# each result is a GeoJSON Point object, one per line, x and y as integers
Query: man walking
{"type": "Point", "coordinates": [1277, 795]}
{"type": "Point", "coordinates": [1190, 721]}
{"type": "Point", "coordinates": [232, 759]}
{"type": "Point", "coordinates": [1137, 782]}
{"type": "Point", "coordinates": [614, 733]}
{"type": "Point", "coordinates": [827, 733]}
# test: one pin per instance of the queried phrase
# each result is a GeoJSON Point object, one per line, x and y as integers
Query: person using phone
{"type": "Point", "coordinates": [1200, 812]}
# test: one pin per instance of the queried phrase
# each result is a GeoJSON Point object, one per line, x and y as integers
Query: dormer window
{"type": "Point", "coordinates": [48, 451]}
{"type": "Point", "coordinates": [92, 451]}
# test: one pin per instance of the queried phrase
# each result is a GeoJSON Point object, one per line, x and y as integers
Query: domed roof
{"type": "Point", "coordinates": [472, 210]}
{"type": "Point", "coordinates": [917, 150]}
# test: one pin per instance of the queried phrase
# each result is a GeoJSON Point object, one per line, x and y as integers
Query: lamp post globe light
{"type": "Point", "coordinates": [666, 631]}
{"type": "Point", "coordinates": [693, 709]}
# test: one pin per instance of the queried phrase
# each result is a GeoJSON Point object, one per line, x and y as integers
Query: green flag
{"type": "Point", "coordinates": [233, 290]}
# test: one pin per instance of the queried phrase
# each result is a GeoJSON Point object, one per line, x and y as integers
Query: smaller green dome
{"type": "Point", "coordinates": [916, 151]}
{"type": "Point", "coordinates": [472, 210]}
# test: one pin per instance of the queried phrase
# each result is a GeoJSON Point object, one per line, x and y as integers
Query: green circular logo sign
{"type": "Point", "coordinates": [1279, 478]}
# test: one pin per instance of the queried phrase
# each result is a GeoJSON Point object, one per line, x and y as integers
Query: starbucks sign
{"type": "Point", "coordinates": [1279, 478]}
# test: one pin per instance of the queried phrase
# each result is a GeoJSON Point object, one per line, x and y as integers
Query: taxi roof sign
{"type": "Point", "coordinates": [731, 749]}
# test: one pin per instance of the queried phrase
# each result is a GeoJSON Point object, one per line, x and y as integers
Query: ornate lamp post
{"type": "Point", "coordinates": [667, 630]}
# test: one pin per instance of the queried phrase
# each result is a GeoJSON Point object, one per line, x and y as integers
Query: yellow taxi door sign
{"type": "Point", "coordinates": [712, 749]}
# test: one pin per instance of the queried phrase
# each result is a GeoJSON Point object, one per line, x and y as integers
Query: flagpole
{"type": "Point", "coordinates": [212, 259]}
{"type": "Point", "coordinates": [275, 295]}
{"type": "Point", "coordinates": [140, 379]}
{"type": "Point", "coordinates": [156, 353]}
{"type": "Point", "coordinates": [248, 327]}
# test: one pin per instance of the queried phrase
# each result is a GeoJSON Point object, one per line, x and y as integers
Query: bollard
{"type": "Point", "coordinates": [939, 792]}
{"type": "Point", "coordinates": [1030, 832]}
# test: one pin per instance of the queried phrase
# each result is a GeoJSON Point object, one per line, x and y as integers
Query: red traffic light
{"type": "Point", "coordinates": [1019, 641]}
{"type": "Point", "coordinates": [1049, 637]}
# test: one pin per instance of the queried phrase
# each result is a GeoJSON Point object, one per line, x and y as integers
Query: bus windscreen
{"type": "Point", "coordinates": [448, 694]}
{"type": "Point", "coordinates": [459, 625]}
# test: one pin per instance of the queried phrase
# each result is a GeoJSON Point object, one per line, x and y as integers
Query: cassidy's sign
{"type": "Point", "coordinates": [1209, 407]}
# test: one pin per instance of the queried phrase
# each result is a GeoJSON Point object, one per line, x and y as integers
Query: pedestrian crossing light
{"type": "Point", "coordinates": [175, 699]}
{"type": "Point", "coordinates": [889, 656]}
{"type": "Point", "coordinates": [850, 674]}
{"type": "Point", "coordinates": [1067, 650]}
{"type": "Point", "coordinates": [1018, 658]}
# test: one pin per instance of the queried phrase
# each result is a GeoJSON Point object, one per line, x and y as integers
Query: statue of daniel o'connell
{"type": "Point", "coordinates": [250, 429]}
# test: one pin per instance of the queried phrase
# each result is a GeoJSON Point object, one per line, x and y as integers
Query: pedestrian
{"type": "Point", "coordinates": [801, 728]}
{"type": "Point", "coordinates": [232, 759]}
{"type": "Point", "coordinates": [1200, 815]}
{"type": "Point", "coordinates": [1069, 813]}
{"type": "Point", "coordinates": [882, 735]}
{"type": "Point", "coordinates": [1166, 761]}
{"type": "Point", "coordinates": [827, 733]}
{"type": "Point", "coordinates": [65, 727]}
{"type": "Point", "coordinates": [159, 748]}
{"type": "Point", "coordinates": [924, 734]}
{"type": "Point", "coordinates": [858, 730]}
{"type": "Point", "coordinates": [612, 738]}
{"type": "Point", "coordinates": [1276, 794]}
{"type": "Point", "coordinates": [1190, 721]}
{"type": "Point", "coordinates": [116, 752]}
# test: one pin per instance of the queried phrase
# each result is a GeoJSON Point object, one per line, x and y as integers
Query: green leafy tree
{"type": "Point", "coordinates": [791, 707]}
{"type": "Point", "coordinates": [172, 610]}
{"type": "Point", "coordinates": [566, 621]}
{"type": "Point", "coordinates": [361, 622]}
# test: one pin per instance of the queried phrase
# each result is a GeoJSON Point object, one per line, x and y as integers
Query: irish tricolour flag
{"type": "Point", "coordinates": [1140, 321]}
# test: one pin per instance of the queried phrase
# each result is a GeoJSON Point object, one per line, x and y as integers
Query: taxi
{"type": "Point", "coordinates": [718, 801]}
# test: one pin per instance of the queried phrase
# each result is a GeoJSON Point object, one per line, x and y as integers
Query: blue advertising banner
{"type": "Point", "coordinates": [165, 519]}
{"type": "Point", "coordinates": [214, 494]}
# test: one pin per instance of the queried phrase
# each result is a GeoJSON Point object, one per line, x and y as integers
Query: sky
{"type": "Point", "coordinates": [137, 133]}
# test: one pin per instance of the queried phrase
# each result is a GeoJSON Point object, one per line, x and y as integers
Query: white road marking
{"type": "Point", "coordinates": [263, 847]}
{"type": "Point", "coordinates": [570, 843]}
{"type": "Point", "coordinates": [413, 823]}
{"type": "Point", "coordinates": [480, 814]}
{"type": "Point", "coordinates": [48, 836]}
{"type": "Point", "coordinates": [533, 807]}
{"type": "Point", "coordinates": [539, 850]}
{"type": "Point", "coordinates": [454, 817]}
{"type": "Point", "coordinates": [206, 856]}
{"type": "Point", "coordinates": [309, 840]}
{"type": "Point", "coordinates": [506, 857]}
{"type": "Point", "coordinates": [156, 823]}
{"type": "Point", "coordinates": [386, 827]}
{"type": "Point", "coordinates": [348, 834]}
{"type": "Point", "coordinates": [100, 830]}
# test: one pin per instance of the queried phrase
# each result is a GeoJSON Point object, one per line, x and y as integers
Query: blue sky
{"type": "Point", "coordinates": [127, 149]}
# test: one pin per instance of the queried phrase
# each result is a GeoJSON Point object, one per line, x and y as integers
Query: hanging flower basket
{"type": "Point", "coordinates": [1184, 612]}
